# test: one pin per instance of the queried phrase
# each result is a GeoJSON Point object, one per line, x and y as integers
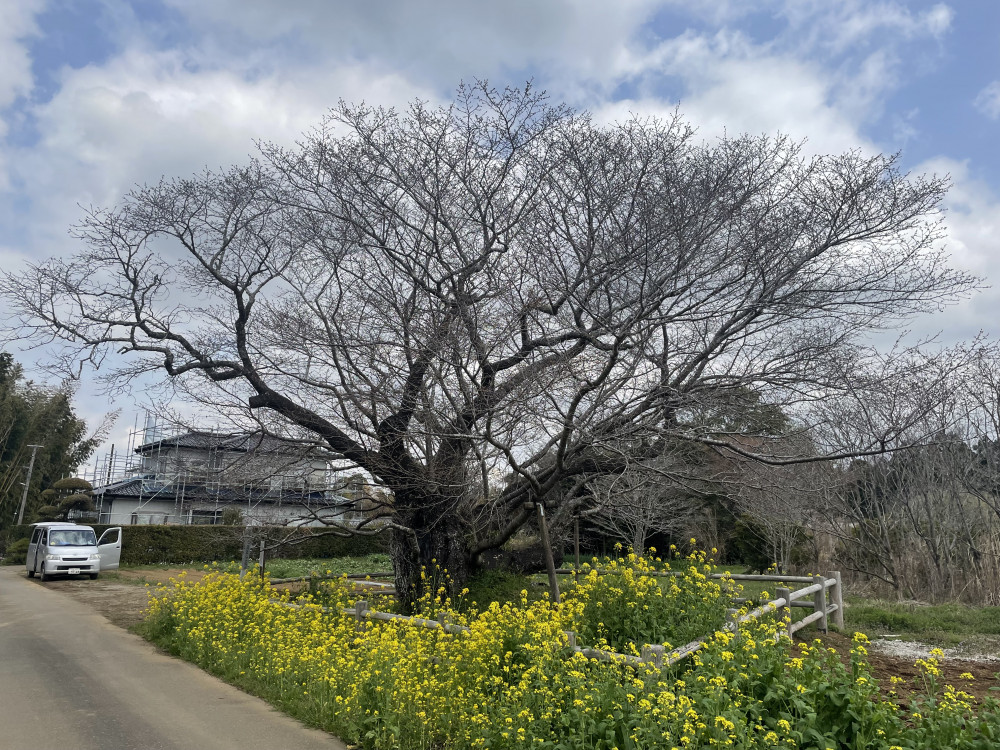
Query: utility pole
{"type": "Point", "coordinates": [24, 495]}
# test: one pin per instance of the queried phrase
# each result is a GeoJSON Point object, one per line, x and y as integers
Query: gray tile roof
{"type": "Point", "coordinates": [244, 442]}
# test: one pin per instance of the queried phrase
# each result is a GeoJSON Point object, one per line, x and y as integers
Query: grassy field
{"type": "Point", "coordinates": [277, 568]}
{"type": "Point", "coordinates": [969, 630]}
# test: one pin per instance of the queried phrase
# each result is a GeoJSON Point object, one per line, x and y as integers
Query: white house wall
{"type": "Point", "coordinates": [119, 512]}
{"type": "Point", "coordinates": [132, 511]}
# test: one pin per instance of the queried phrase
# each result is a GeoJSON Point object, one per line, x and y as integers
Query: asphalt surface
{"type": "Point", "coordinates": [71, 680]}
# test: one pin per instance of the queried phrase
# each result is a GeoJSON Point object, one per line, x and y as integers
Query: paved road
{"type": "Point", "coordinates": [70, 679]}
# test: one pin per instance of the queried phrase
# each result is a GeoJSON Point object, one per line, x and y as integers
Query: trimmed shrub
{"type": "Point", "coordinates": [16, 552]}
{"type": "Point", "coordinates": [150, 545]}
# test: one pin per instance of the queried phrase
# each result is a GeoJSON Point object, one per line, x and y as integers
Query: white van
{"type": "Point", "coordinates": [60, 548]}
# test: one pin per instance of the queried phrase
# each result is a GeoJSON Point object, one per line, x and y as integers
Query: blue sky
{"type": "Point", "coordinates": [98, 95]}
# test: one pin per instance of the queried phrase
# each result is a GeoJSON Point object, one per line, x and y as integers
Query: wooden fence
{"type": "Point", "coordinates": [813, 596]}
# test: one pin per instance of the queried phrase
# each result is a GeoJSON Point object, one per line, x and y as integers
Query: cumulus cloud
{"type": "Point", "coordinates": [17, 24]}
{"type": "Point", "coordinates": [972, 225]}
{"type": "Point", "coordinates": [144, 116]}
{"type": "Point", "coordinates": [836, 27]}
{"type": "Point", "coordinates": [230, 71]}
{"type": "Point", "coordinates": [988, 101]}
{"type": "Point", "coordinates": [734, 85]}
{"type": "Point", "coordinates": [439, 41]}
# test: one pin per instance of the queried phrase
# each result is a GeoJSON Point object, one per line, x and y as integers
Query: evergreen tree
{"type": "Point", "coordinates": [32, 414]}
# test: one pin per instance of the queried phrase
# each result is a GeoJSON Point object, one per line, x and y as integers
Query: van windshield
{"type": "Point", "coordinates": [72, 538]}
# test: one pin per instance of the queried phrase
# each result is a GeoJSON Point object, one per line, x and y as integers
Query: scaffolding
{"type": "Point", "coordinates": [173, 483]}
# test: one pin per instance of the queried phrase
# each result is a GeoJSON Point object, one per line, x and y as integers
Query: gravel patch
{"type": "Point", "coordinates": [912, 650]}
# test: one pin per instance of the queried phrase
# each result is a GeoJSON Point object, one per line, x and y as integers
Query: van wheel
{"type": "Point", "coordinates": [42, 575]}
{"type": "Point", "coordinates": [93, 576]}
{"type": "Point", "coordinates": [31, 574]}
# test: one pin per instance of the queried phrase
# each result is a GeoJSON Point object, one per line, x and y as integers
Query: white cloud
{"type": "Point", "coordinates": [17, 24]}
{"type": "Point", "coordinates": [735, 85]}
{"type": "Point", "coordinates": [144, 116]}
{"type": "Point", "coordinates": [988, 101]}
{"type": "Point", "coordinates": [972, 222]}
{"type": "Point", "coordinates": [439, 41]}
{"type": "Point", "coordinates": [838, 26]}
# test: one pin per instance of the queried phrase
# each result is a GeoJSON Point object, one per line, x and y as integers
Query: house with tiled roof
{"type": "Point", "coordinates": [200, 477]}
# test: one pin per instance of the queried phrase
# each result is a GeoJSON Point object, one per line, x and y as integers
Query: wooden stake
{"type": "Point", "coordinates": [550, 562]}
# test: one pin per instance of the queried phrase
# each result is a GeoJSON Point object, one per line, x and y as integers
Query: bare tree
{"type": "Point", "coordinates": [923, 519]}
{"type": "Point", "coordinates": [502, 283]}
{"type": "Point", "coordinates": [782, 502]}
{"type": "Point", "coordinates": [646, 498]}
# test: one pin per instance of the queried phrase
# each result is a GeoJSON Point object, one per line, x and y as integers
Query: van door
{"type": "Point", "coordinates": [29, 560]}
{"type": "Point", "coordinates": [109, 546]}
{"type": "Point", "coordinates": [40, 550]}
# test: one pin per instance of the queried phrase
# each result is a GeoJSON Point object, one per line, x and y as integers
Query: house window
{"type": "Point", "coordinates": [206, 517]}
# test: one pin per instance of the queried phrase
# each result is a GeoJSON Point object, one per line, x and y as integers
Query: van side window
{"type": "Point", "coordinates": [35, 534]}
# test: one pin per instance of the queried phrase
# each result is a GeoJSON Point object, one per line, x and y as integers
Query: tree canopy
{"type": "Point", "coordinates": [504, 289]}
{"type": "Point", "coordinates": [31, 414]}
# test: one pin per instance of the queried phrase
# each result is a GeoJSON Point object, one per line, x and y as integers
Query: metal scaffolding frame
{"type": "Point", "coordinates": [214, 484]}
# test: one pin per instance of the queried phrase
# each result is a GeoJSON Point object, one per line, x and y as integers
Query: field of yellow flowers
{"type": "Point", "coordinates": [512, 681]}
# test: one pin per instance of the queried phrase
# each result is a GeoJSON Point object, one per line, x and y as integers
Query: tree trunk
{"type": "Point", "coordinates": [437, 548]}
{"type": "Point", "coordinates": [639, 539]}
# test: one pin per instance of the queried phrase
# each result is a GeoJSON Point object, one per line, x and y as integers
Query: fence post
{"type": "Point", "coordinates": [837, 594]}
{"type": "Point", "coordinates": [652, 655]}
{"type": "Point", "coordinates": [245, 560]}
{"type": "Point", "coordinates": [360, 610]}
{"type": "Point", "coordinates": [819, 601]}
{"type": "Point", "coordinates": [732, 617]}
{"type": "Point", "coordinates": [570, 639]}
{"type": "Point", "coordinates": [785, 612]}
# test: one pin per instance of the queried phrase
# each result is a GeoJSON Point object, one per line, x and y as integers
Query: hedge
{"type": "Point", "coordinates": [146, 545]}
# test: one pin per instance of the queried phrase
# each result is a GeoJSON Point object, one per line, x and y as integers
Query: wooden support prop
{"type": "Point", "coordinates": [837, 595]}
{"type": "Point", "coordinates": [785, 612]}
{"type": "Point", "coordinates": [570, 638]}
{"type": "Point", "coordinates": [550, 563]}
{"type": "Point", "coordinates": [819, 602]}
{"type": "Point", "coordinates": [576, 548]}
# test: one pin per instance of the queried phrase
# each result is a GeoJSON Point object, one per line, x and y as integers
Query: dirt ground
{"type": "Point", "coordinates": [123, 597]}
{"type": "Point", "coordinates": [985, 673]}
{"type": "Point", "coordinates": [124, 604]}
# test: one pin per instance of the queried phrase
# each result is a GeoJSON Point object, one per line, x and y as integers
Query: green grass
{"type": "Point", "coordinates": [502, 586]}
{"type": "Point", "coordinates": [945, 624]}
{"type": "Point", "coordinates": [374, 563]}
{"type": "Point", "coordinates": [164, 566]}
